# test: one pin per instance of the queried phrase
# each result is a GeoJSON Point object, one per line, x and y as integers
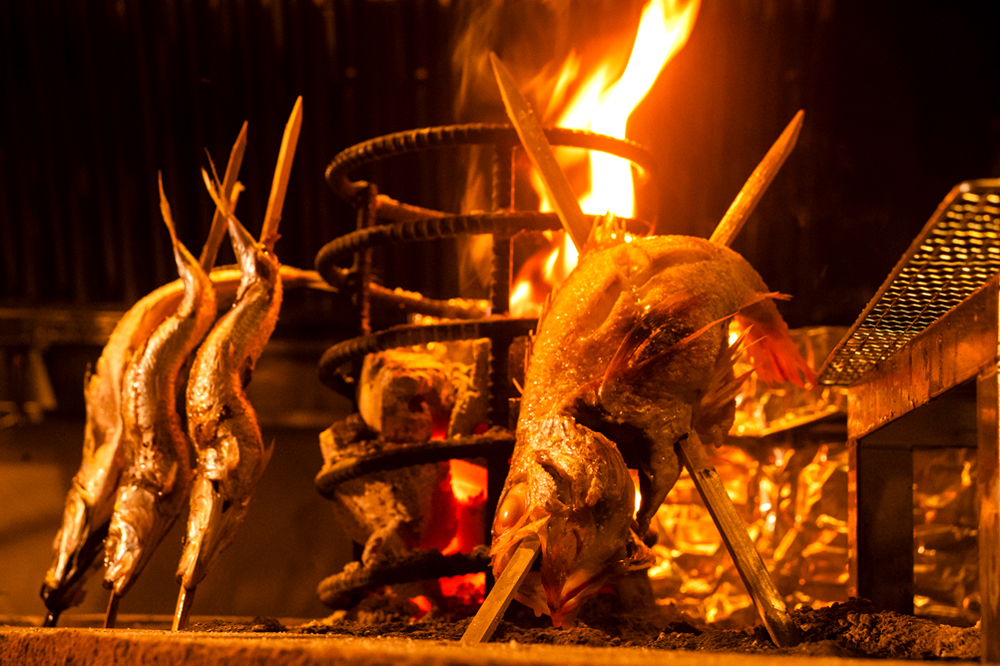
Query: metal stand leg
{"type": "Point", "coordinates": [881, 499]}
{"type": "Point", "coordinates": [988, 408]}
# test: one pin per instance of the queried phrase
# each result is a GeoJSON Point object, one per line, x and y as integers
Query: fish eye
{"type": "Point", "coordinates": [512, 508]}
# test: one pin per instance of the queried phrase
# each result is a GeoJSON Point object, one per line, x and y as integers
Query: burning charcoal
{"type": "Point", "coordinates": [471, 381]}
{"type": "Point", "coordinates": [404, 395]}
{"type": "Point", "coordinates": [420, 393]}
{"type": "Point", "coordinates": [391, 512]}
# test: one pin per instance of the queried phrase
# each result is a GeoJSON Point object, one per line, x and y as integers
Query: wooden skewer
{"type": "Point", "coordinates": [183, 611]}
{"type": "Point", "coordinates": [757, 184]}
{"type": "Point", "coordinates": [218, 229]}
{"type": "Point", "coordinates": [279, 186]}
{"type": "Point", "coordinates": [535, 143]}
{"type": "Point", "coordinates": [481, 629]}
{"type": "Point", "coordinates": [749, 564]}
{"type": "Point", "coordinates": [111, 615]}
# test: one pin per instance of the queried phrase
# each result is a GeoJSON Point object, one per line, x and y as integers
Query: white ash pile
{"type": "Point", "coordinates": [409, 397]}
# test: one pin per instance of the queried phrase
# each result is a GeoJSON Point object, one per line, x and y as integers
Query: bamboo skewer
{"type": "Point", "coordinates": [770, 606]}
{"type": "Point", "coordinates": [279, 186]}
{"type": "Point", "coordinates": [481, 629]}
{"type": "Point", "coordinates": [218, 229]}
{"type": "Point", "coordinates": [537, 146]}
{"type": "Point", "coordinates": [752, 191]}
{"type": "Point", "coordinates": [111, 614]}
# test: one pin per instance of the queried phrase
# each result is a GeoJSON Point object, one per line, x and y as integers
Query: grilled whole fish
{"type": "Point", "coordinates": [221, 422]}
{"type": "Point", "coordinates": [157, 473]}
{"type": "Point", "coordinates": [90, 500]}
{"type": "Point", "coordinates": [631, 354]}
{"type": "Point", "coordinates": [78, 546]}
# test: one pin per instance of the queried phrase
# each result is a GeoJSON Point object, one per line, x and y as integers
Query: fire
{"type": "Point", "coordinates": [604, 105]}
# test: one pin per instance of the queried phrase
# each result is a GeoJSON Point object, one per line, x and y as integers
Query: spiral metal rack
{"type": "Point", "coordinates": [382, 220]}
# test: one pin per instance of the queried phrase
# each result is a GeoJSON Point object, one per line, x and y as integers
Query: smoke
{"type": "Point", "coordinates": [544, 44]}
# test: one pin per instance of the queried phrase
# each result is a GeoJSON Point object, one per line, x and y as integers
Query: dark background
{"type": "Point", "coordinates": [901, 104]}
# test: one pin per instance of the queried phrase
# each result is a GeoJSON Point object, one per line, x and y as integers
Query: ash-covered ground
{"type": "Point", "coordinates": [851, 629]}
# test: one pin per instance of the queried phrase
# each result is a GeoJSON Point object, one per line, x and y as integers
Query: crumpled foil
{"type": "Point", "coordinates": [789, 486]}
{"type": "Point", "coordinates": [945, 535]}
{"type": "Point", "coordinates": [794, 502]}
{"type": "Point", "coordinates": [786, 471]}
{"type": "Point", "coordinates": [762, 410]}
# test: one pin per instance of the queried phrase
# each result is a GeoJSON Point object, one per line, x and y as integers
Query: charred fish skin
{"type": "Point", "coordinates": [222, 423]}
{"type": "Point", "coordinates": [157, 475]}
{"type": "Point", "coordinates": [633, 345]}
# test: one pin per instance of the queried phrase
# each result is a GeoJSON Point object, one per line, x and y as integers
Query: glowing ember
{"type": "Point", "coordinates": [469, 589]}
{"type": "Point", "coordinates": [603, 105]}
{"type": "Point", "coordinates": [468, 486]}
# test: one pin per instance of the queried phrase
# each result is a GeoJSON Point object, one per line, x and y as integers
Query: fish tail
{"type": "Point", "coordinates": [772, 351]}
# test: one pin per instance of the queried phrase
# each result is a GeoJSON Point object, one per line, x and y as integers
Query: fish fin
{"type": "Point", "coordinates": [715, 411]}
{"type": "Point", "coordinates": [265, 457]}
{"type": "Point", "coordinates": [771, 350]}
{"type": "Point", "coordinates": [606, 232]}
{"type": "Point", "coordinates": [181, 254]}
{"type": "Point", "coordinates": [636, 349]}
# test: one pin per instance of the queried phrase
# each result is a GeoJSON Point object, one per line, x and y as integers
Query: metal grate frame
{"type": "Point", "coordinates": [956, 252]}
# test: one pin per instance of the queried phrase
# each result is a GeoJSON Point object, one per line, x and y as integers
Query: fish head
{"type": "Point", "coordinates": [256, 262]}
{"type": "Point", "coordinates": [570, 487]}
{"type": "Point", "coordinates": [77, 550]}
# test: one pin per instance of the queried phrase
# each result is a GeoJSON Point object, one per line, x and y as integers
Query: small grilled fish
{"type": "Point", "coordinates": [90, 500]}
{"type": "Point", "coordinates": [631, 354]}
{"type": "Point", "coordinates": [78, 546]}
{"type": "Point", "coordinates": [221, 422]}
{"type": "Point", "coordinates": [157, 473]}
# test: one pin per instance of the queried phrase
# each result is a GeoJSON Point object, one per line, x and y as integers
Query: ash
{"type": "Point", "coordinates": [851, 629]}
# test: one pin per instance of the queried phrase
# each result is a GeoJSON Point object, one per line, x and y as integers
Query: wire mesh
{"type": "Point", "coordinates": [957, 251]}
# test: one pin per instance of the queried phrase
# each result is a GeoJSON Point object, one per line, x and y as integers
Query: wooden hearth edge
{"type": "Point", "coordinates": [97, 647]}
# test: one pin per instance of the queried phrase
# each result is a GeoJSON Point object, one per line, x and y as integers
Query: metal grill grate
{"type": "Point", "coordinates": [957, 251]}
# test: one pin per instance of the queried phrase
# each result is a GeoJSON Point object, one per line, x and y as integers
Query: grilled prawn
{"type": "Point", "coordinates": [157, 472]}
{"type": "Point", "coordinates": [631, 355]}
{"type": "Point", "coordinates": [221, 422]}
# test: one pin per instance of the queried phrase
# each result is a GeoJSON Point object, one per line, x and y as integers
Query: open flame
{"type": "Point", "coordinates": [602, 104]}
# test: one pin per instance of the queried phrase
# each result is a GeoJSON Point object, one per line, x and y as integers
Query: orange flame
{"type": "Point", "coordinates": [602, 105]}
